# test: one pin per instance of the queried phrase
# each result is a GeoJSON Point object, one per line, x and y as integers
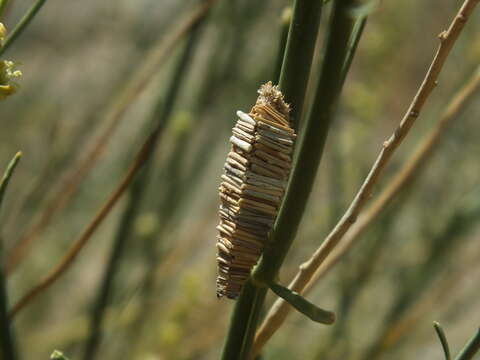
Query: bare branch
{"type": "Point", "coordinates": [280, 309]}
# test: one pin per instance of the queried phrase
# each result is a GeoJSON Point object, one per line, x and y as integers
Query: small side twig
{"type": "Point", "coordinates": [7, 342]}
{"type": "Point", "coordinates": [8, 174]}
{"type": "Point", "coordinates": [443, 340]}
{"type": "Point", "coordinates": [302, 305]}
{"type": "Point", "coordinates": [22, 25]}
{"type": "Point", "coordinates": [280, 309]}
{"type": "Point", "coordinates": [355, 37]}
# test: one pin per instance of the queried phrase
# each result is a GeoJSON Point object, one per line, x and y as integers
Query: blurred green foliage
{"type": "Point", "coordinates": [76, 56]}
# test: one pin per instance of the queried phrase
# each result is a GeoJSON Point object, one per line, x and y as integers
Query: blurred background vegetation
{"type": "Point", "coordinates": [417, 263]}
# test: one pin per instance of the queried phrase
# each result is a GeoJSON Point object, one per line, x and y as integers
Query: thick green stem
{"type": "Point", "coordinates": [7, 341]}
{"type": "Point", "coordinates": [161, 115]}
{"type": "Point", "coordinates": [22, 25]}
{"type": "Point", "coordinates": [311, 142]}
{"type": "Point", "coordinates": [309, 152]}
{"type": "Point", "coordinates": [295, 71]}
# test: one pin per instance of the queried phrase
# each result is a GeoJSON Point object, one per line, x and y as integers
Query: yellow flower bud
{"type": "Point", "coordinates": [7, 90]}
{"type": "Point", "coordinates": [7, 74]}
{"type": "Point", "coordinates": [3, 32]}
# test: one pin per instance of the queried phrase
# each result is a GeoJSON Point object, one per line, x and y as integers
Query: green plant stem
{"type": "Point", "coordinates": [297, 61]}
{"type": "Point", "coordinates": [298, 55]}
{"type": "Point", "coordinates": [311, 142]}
{"type": "Point", "coordinates": [3, 6]}
{"type": "Point", "coordinates": [471, 348]}
{"type": "Point", "coordinates": [310, 268]}
{"type": "Point", "coordinates": [311, 145]}
{"type": "Point", "coordinates": [8, 174]}
{"type": "Point", "coordinates": [353, 44]}
{"type": "Point", "coordinates": [306, 308]}
{"type": "Point", "coordinates": [22, 25]}
{"type": "Point", "coordinates": [443, 340]}
{"type": "Point", "coordinates": [161, 115]}
{"type": "Point", "coordinates": [284, 30]}
{"type": "Point", "coordinates": [7, 340]}
{"type": "Point", "coordinates": [309, 152]}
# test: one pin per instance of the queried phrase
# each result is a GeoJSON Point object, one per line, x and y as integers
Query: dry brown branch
{"type": "Point", "coordinates": [70, 182]}
{"type": "Point", "coordinates": [404, 177]}
{"type": "Point", "coordinates": [142, 156]}
{"type": "Point", "coordinates": [280, 309]}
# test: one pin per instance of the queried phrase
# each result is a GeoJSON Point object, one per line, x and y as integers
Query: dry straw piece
{"type": "Point", "coordinates": [252, 187]}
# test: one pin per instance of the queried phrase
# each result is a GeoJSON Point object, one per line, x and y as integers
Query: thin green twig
{"type": "Point", "coordinates": [311, 142]}
{"type": "Point", "coordinates": [284, 29]}
{"type": "Point", "coordinates": [7, 340]}
{"type": "Point", "coordinates": [471, 348]}
{"type": "Point", "coordinates": [297, 61]}
{"type": "Point", "coordinates": [353, 43]}
{"type": "Point", "coordinates": [22, 25]}
{"type": "Point", "coordinates": [308, 309]}
{"type": "Point", "coordinates": [309, 268]}
{"type": "Point", "coordinates": [443, 340]}
{"type": "Point", "coordinates": [8, 174]}
{"type": "Point", "coordinates": [310, 146]}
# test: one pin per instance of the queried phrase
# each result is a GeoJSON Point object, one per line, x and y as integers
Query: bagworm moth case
{"type": "Point", "coordinates": [252, 187]}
